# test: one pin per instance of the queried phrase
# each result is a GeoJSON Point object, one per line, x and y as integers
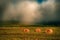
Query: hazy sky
{"type": "Point", "coordinates": [32, 12]}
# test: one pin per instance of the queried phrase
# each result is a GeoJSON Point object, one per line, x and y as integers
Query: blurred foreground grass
{"type": "Point", "coordinates": [15, 31]}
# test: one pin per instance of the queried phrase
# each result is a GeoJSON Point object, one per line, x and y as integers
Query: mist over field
{"type": "Point", "coordinates": [31, 12]}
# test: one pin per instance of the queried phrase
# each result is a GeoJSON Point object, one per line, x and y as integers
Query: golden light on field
{"type": "Point", "coordinates": [28, 33]}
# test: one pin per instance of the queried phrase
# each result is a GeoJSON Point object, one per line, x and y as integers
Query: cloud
{"type": "Point", "coordinates": [31, 12]}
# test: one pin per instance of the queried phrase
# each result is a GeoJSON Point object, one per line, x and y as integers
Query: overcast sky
{"type": "Point", "coordinates": [39, 11]}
